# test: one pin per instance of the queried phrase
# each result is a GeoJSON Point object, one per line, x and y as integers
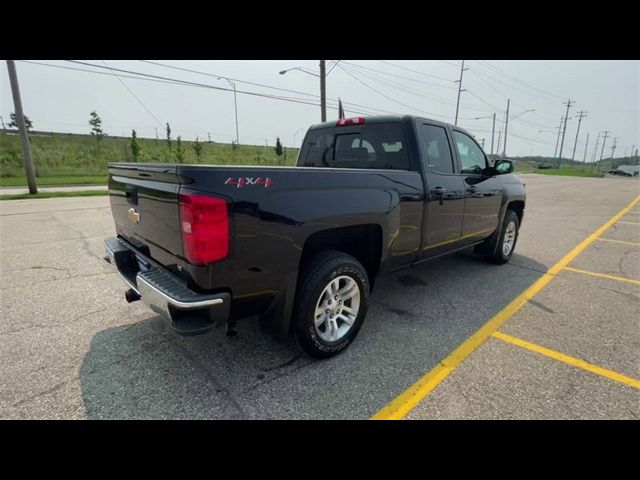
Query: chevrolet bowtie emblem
{"type": "Point", "coordinates": [134, 216]}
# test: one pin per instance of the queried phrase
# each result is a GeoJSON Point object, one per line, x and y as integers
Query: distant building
{"type": "Point", "coordinates": [632, 169]}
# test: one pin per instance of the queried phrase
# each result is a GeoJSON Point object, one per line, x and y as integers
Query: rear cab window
{"type": "Point", "coordinates": [372, 146]}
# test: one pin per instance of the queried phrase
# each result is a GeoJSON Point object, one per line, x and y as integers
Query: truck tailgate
{"type": "Point", "coordinates": [144, 204]}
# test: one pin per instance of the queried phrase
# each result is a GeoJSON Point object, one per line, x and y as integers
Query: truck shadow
{"type": "Point", "coordinates": [416, 317]}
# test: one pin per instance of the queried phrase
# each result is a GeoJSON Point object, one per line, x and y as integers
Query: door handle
{"type": "Point", "coordinates": [472, 189]}
{"type": "Point", "coordinates": [438, 190]}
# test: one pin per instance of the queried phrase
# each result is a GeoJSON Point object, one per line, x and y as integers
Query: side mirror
{"type": "Point", "coordinates": [502, 167]}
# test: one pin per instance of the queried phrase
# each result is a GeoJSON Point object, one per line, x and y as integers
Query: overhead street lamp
{"type": "Point", "coordinates": [493, 129]}
{"type": "Point", "coordinates": [282, 72]}
{"type": "Point", "coordinates": [235, 101]}
{"type": "Point", "coordinates": [323, 88]}
{"type": "Point", "coordinates": [526, 111]}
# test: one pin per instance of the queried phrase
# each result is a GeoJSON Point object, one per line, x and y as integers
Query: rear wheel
{"type": "Point", "coordinates": [501, 246]}
{"type": "Point", "coordinates": [331, 304]}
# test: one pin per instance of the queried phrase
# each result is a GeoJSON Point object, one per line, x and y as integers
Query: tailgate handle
{"type": "Point", "coordinates": [131, 192]}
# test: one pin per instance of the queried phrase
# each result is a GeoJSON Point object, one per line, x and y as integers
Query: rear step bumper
{"type": "Point", "coordinates": [188, 312]}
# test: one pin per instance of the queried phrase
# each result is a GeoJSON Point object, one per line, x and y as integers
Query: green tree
{"type": "Point", "coordinates": [96, 125]}
{"type": "Point", "coordinates": [197, 148]}
{"type": "Point", "coordinates": [278, 147]}
{"type": "Point", "coordinates": [136, 148]}
{"type": "Point", "coordinates": [169, 135]}
{"type": "Point", "coordinates": [14, 121]}
{"type": "Point", "coordinates": [179, 155]}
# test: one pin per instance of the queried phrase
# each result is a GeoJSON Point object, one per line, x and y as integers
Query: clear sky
{"type": "Point", "coordinates": [59, 99]}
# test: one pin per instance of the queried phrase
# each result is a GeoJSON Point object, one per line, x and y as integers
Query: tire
{"type": "Point", "coordinates": [496, 245]}
{"type": "Point", "coordinates": [326, 272]}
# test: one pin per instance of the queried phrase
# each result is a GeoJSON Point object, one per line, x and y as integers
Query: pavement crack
{"type": "Point", "coordinates": [280, 375]}
{"type": "Point", "coordinates": [53, 389]}
{"type": "Point", "coordinates": [219, 387]}
{"type": "Point", "coordinates": [288, 363]}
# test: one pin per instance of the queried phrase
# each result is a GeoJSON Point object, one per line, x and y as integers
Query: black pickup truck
{"type": "Point", "coordinates": [302, 246]}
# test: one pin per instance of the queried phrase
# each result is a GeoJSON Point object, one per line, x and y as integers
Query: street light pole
{"type": "Point", "coordinates": [506, 124]}
{"type": "Point", "coordinates": [493, 131]}
{"type": "Point", "coordinates": [323, 86]}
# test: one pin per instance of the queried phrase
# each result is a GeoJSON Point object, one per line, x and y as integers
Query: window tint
{"type": "Point", "coordinates": [378, 146]}
{"type": "Point", "coordinates": [319, 146]}
{"type": "Point", "coordinates": [436, 151]}
{"type": "Point", "coordinates": [472, 159]}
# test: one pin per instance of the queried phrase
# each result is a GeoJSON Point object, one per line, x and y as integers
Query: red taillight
{"type": "Point", "coordinates": [204, 222]}
{"type": "Point", "coordinates": [350, 121]}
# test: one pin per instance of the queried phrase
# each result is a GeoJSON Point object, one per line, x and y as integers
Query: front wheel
{"type": "Point", "coordinates": [331, 304]}
{"type": "Point", "coordinates": [506, 241]}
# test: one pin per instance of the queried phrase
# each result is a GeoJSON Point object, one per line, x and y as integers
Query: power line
{"type": "Point", "coordinates": [134, 95]}
{"type": "Point", "coordinates": [396, 76]}
{"type": "Point", "coordinates": [402, 87]}
{"type": "Point", "coordinates": [516, 79]}
{"type": "Point", "coordinates": [399, 86]}
{"type": "Point", "coordinates": [158, 79]}
{"type": "Point", "coordinates": [512, 87]}
{"type": "Point", "coordinates": [386, 96]}
{"type": "Point", "coordinates": [230, 78]}
{"type": "Point", "coordinates": [450, 63]}
{"type": "Point", "coordinates": [416, 71]}
{"type": "Point", "coordinates": [483, 101]}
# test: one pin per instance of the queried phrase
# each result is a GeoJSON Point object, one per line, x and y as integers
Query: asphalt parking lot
{"type": "Point", "coordinates": [71, 347]}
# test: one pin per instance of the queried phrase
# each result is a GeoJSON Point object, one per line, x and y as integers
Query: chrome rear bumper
{"type": "Point", "coordinates": [187, 312]}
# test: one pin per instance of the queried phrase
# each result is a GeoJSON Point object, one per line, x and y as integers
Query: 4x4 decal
{"type": "Point", "coordinates": [240, 182]}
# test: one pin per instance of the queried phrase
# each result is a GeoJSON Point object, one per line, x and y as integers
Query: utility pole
{"type": "Point", "coordinates": [555, 152]}
{"type": "Point", "coordinates": [4, 127]}
{"type": "Point", "coordinates": [604, 140]}
{"type": "Point", "coordinates": [613, 147]}
{"type": "Point", "coordinates": [209, 136]}
{"type": "Point", "coordinates": [506, 125]}
{"type": "Point", "coordinates": [498, 142]}
{"type": "Point", "coordinates": [460, 90]}
{"type": "Point", "coordinates": [595, 149]}
{"type": "Point", "coordinates": [26, 145]}
{"type": "Point", "coordinates": [580, 116]}
{"type": "Point", "coordinates": [493, 131]}
{"type": "Point", "coordinates": [323, 92]}
{"type": "Point", "coordinates": [586, 144]}
{"type": "Point", "coordinates": [482, 143]}
{"type": "Point", "coordinates": [564, 130]}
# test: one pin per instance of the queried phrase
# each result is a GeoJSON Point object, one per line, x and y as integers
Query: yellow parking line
{"type": "Point", "coordinates": [603, 275]}
{"type": "Point", "coordinates": [574, 362]}
{"type": "Point", "coordinates": [407, 400]}
{"type": "Point", "coordinates": [618, 241]}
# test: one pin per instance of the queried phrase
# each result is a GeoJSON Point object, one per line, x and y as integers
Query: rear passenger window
{"type": "Point", "coordinates": [376, 146]}
{"type": "Point", "coordinates": [436, 150]}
